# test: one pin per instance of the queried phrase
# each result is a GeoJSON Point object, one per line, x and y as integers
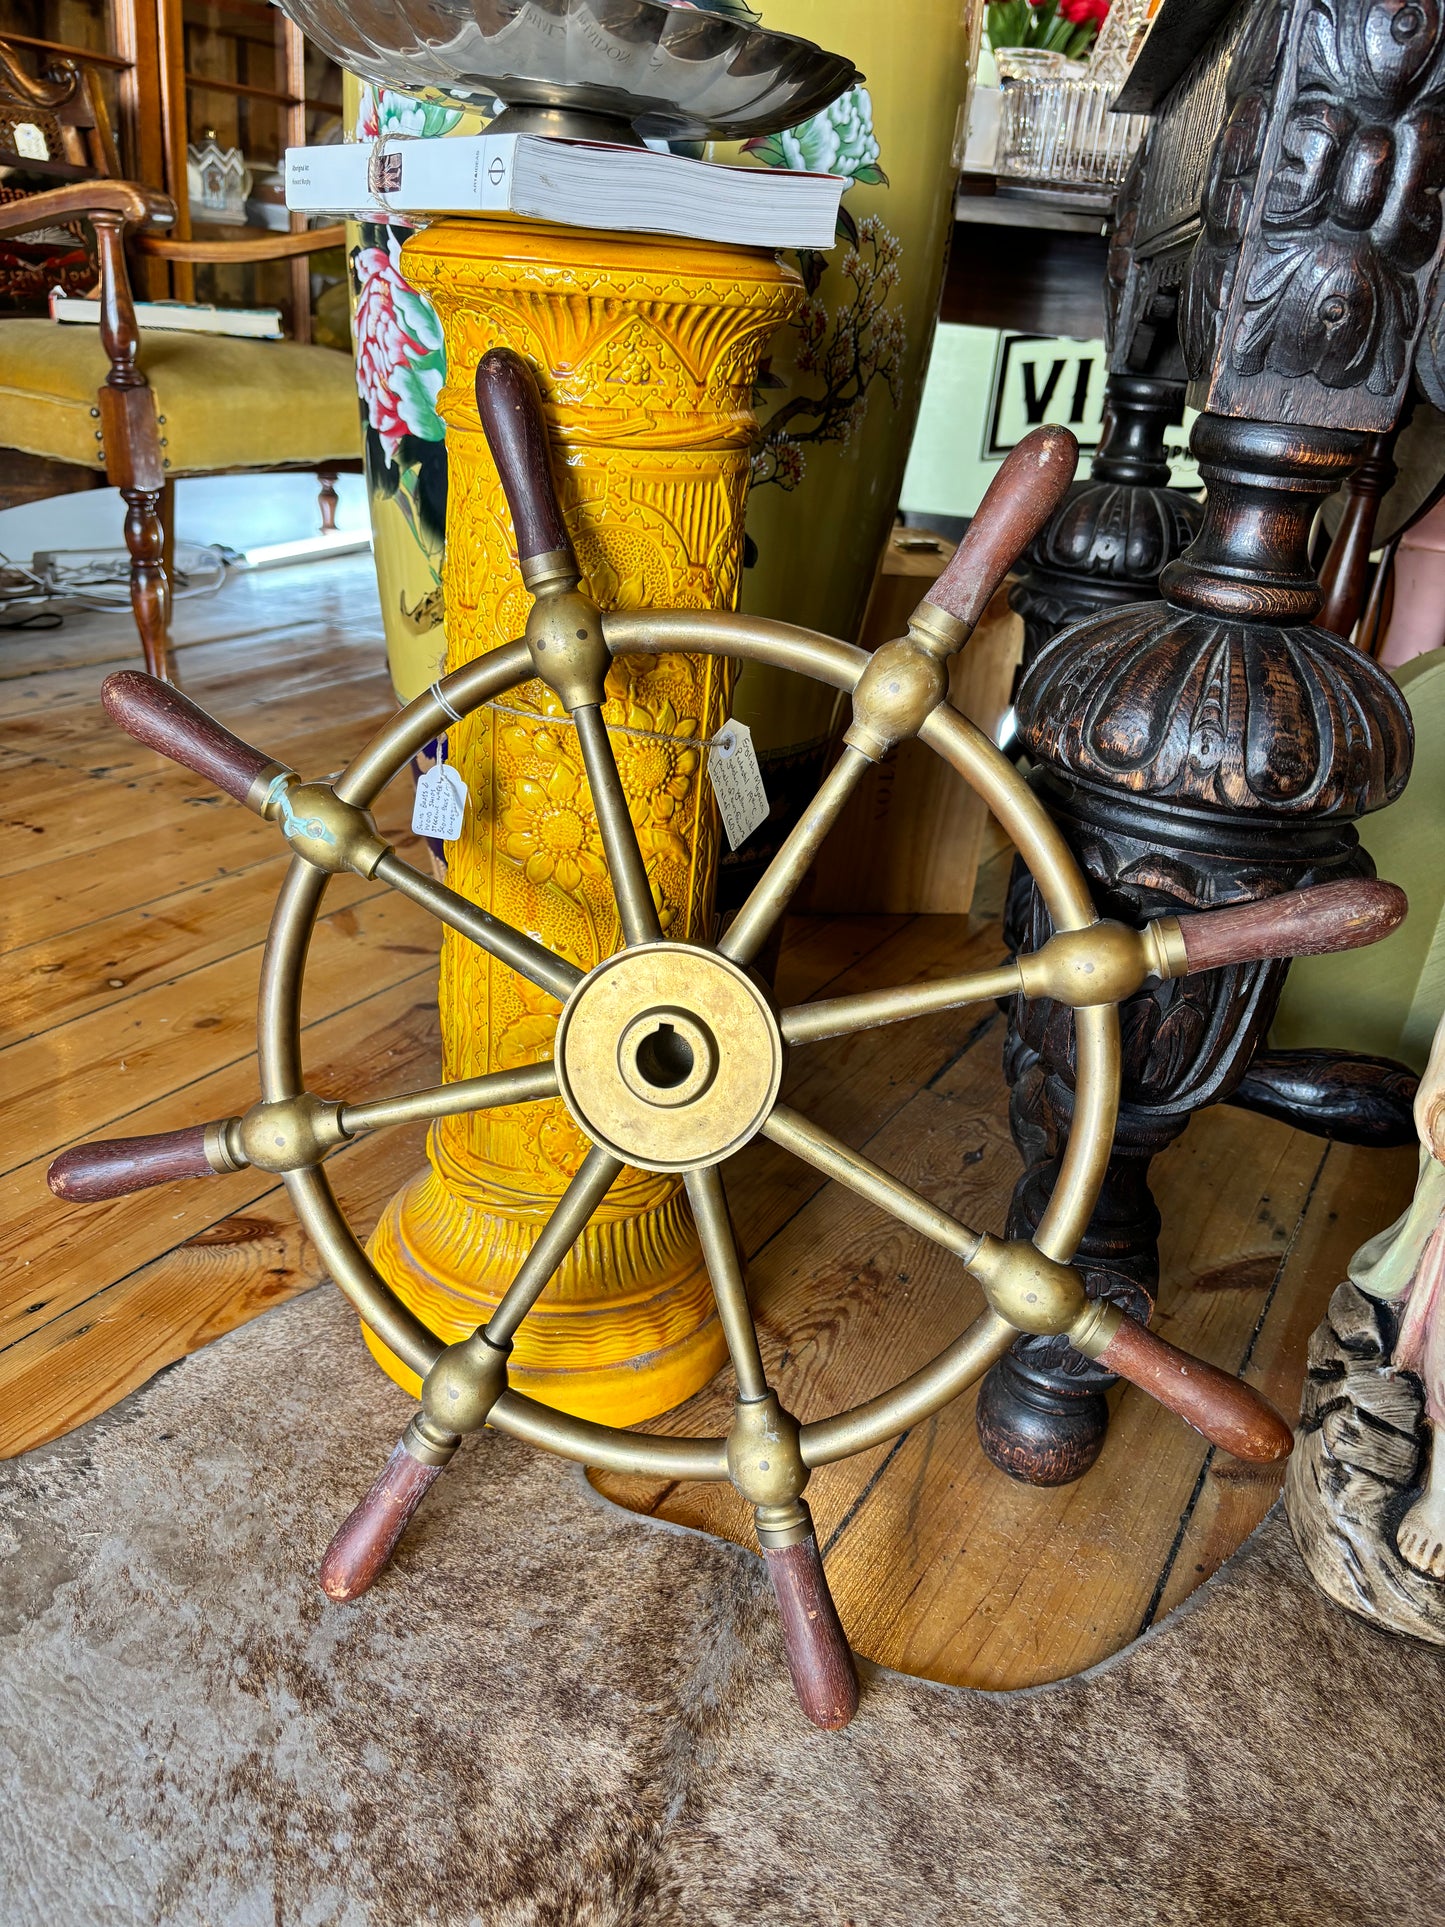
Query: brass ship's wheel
{"type": "Point", "coordinates": [670, 1056]}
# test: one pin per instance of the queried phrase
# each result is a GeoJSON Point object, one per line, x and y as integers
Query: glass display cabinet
{"type": "Point", "coordinates": [204, 97]}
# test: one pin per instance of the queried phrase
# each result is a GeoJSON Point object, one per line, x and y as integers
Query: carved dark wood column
{"type": "Point", "coordinates": [1118, 529]}
{"type": "Point", "coordinates": [1216, 747]}
{"type": "Point", "coordinates": [1106, 546]}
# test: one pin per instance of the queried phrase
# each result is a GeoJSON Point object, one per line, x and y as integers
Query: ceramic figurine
{"type": "Point", "coordinates": [1366, 1489]}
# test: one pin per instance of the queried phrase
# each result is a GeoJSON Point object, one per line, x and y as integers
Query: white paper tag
{"type": "Point", "coordinates": [441, 803]}
{"type": "Point", "coordinates": [737, 782]}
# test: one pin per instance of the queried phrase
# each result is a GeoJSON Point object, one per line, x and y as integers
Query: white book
{"type": "Point", "coordinates": [189, 317]}
{"type": "Point", "coordinates": [582, 183]}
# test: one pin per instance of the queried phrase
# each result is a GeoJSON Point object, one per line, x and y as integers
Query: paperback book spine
{"type": "Point", "coordinates": [466, 174]}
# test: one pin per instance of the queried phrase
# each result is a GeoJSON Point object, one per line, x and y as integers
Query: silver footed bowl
{"type": "Point", "coordinates": [605, 69]}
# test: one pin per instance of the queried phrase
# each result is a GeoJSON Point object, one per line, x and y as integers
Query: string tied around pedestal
{"type": "Point", "coordinates": [732, 762]}
{"type": "Point", "coordinates": [725, 739]}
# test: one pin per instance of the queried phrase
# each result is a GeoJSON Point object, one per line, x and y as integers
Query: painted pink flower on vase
{"type": "Point", "coordinates": [400, 363]}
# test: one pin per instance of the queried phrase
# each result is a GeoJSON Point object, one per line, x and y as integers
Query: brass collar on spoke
{"type": "Point", "coordinates": [669, 1056]}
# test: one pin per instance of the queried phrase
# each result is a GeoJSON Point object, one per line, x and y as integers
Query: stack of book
{"type": "Point", "coordinates": [582, 183]}
{"type": "Point", "coordinates": [186, 317]}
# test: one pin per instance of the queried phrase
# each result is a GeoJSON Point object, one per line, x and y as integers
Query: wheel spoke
{"type": "Point", "coordinates": [527, 957]}
{"type": "Point", "coordinates": [841, 1016]}
{"type": "Point", "coordinates": [835, 1160]}
{"type": "Point", "coordinates": [556, 1238]}
{"type": "Point", "coordinates": [729, 1287]}
{"type": "Point", "coordinates": [619, 838]}
{"type": "Point", "coordinates": [523, 1086]}
{"type": "Point", "coordinates": [770, 895]}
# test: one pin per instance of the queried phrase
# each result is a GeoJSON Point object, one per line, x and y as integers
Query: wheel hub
{"type": "Point", "coordinates": [669, 1056]}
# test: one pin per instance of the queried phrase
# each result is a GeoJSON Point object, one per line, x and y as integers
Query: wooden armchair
{"type": "Point", "coordinates": [81, 408]}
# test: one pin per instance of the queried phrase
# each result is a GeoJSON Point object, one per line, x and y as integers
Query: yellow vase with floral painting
{"type": "Point", "coordinates": [400, 368]}
{"type": "Point", "coordinates": [839, 388]}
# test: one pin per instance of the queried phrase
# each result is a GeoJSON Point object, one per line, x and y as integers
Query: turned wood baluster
{"type": "Point", "coordinates": [327, 499]}
{"type": "Point", "coordinates": [1207, 749]}
{"type": "Point", "coordinates": [1344, 578]}
{"type": "Point", "coordinates": [133, 459]}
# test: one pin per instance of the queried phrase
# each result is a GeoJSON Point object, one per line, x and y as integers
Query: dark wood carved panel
{"type": "Point", "coordinates": [1181, 137]}
{"type": "Point", "coordinates": [1321, 213]}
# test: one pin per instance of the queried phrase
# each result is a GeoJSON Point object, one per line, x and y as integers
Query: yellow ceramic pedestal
{"type": "Point", "coordinates": [645, 351]}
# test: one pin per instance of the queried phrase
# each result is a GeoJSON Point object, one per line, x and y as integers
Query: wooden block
{"type": "Point", "coordinates": [912, 833]}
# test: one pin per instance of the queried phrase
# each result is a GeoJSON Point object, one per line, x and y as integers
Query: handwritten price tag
{"type": "Point", "coordinates": [441, 804]}
{"type": "Point", "coordinates": [737, 782]}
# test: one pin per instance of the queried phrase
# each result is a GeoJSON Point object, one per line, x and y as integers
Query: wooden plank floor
{"type": "Point", "coordinates": [132, 913]}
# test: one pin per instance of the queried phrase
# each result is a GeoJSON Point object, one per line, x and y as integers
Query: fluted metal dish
{"type": "Point", "coordinates": [611, 69]}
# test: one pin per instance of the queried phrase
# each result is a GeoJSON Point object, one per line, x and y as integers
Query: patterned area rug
{"type": "Point", "coordinates": [553, 1714]}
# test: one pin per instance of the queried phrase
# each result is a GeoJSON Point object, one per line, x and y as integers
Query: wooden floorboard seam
{"type": "Point", "coordinates": [177, 977]}
{"type": "Point", "coordinates": [1206, 1466]}
{"type": "Point", "coordinates": [229, 1063]}
{"type": "Point", "coordinates": [864, 1495]}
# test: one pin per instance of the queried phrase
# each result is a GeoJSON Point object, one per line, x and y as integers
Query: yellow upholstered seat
{"type": "Point", "coordinates": [225, 403]}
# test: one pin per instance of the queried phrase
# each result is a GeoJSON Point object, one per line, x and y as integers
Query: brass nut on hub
{"type": "Point", "coordinates": [1102, 964]}
{"type": "Point", "coordinates": [333, 835]}
{"type": "Point", "coordinates": [289, 1134]}
{"type": "Point", "coordinates": [668, 1056]}
{"type": "Point", "coordinates": [765, 1455]}
{"type": "Point", "coordinates": [902, 685]}
{"type": "Point", "coordinates": [564, 635]}
{"type": "Point", "coordinates": [464, 1385]}
{"type": "Point", "coordinates": [1033, 1292]}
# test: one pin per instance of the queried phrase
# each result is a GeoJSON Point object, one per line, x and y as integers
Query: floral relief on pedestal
{"type": "Point", "coordinates": [648, 401]}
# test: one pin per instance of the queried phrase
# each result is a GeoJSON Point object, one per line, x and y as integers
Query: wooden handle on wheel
{"type": "Point", "coordinates": [1300, 923]}
{"type": "Point", "coordinates": [114, 1167]}
{"type": "Point", "coordinates": [157, 714]}
{"type": "Point", "coordinates": [516, 430]}
{"type": "Point", "coordinates": [819, 1659]}
{"type": "Point", "coordinates": [1230, 1414]}
{"type": "Point", "coordinates": [367, 1539]}
{"type": "Point", "coordinates": [1032, 481]}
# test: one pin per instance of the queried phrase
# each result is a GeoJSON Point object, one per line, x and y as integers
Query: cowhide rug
{"type": "Point", "coordinates": [553, 1712]}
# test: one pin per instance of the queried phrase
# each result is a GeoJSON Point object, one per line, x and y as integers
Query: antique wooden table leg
{"type": "Point", "coordinates": [1198, 751]}
{"type": "Point", "coordinates": [1281, 243]}
{"type": "Point", "coordinates": [1106, 545]}
{"type": "Point", "coordinates": [1041, 1410]}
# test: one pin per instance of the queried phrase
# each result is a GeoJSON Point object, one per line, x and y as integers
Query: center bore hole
{"type": "Point", "coordinates": [665, 1058]}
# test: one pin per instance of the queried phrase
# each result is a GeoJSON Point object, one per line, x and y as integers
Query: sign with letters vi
{"type": "Point", "coordinates": [1049, 378]}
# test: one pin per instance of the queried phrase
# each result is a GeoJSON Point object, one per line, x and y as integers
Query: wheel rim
{"type": "Point", "coordinates": [1065, 894]}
